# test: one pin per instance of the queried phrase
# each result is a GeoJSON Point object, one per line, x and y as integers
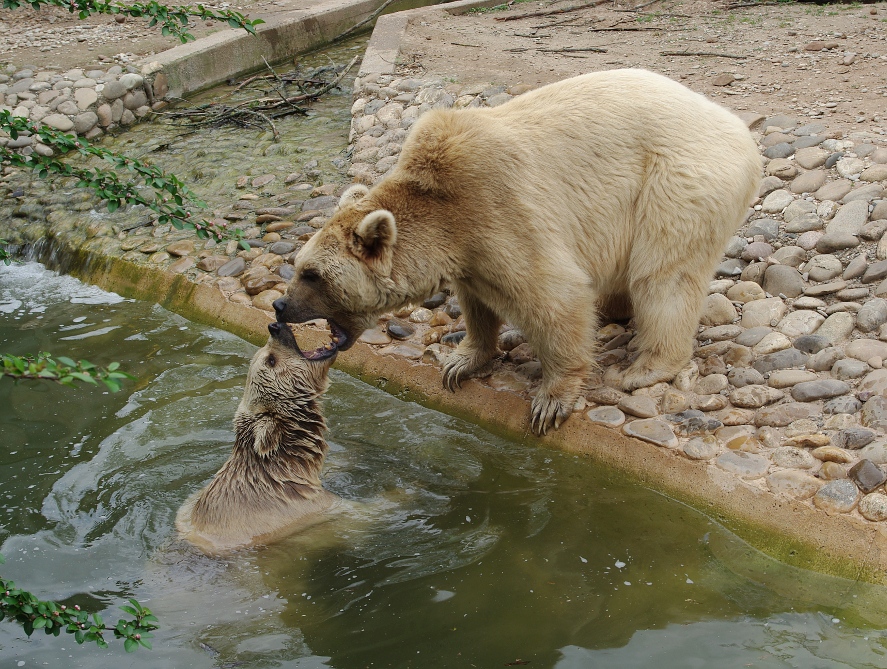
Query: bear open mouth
{"type": "Point", "coordinates": [338, 339]}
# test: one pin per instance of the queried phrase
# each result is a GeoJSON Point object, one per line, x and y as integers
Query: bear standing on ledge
{"type": "Point", "coordinates": [615, 190]}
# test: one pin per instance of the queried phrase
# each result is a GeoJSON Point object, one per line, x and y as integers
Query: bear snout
{"type": "Point", "coordinates": [279, 308]}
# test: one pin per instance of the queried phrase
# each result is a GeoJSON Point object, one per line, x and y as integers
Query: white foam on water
{"type": "Point", "coordinates": [29, 286]}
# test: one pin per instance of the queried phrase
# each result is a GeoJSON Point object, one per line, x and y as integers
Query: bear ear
{"type": "Point", "coordinates": [374, 239]}
{"type": "Point", "coordinates": [267, 436]}
{"type": "Point", "coordinates": [354, 194]}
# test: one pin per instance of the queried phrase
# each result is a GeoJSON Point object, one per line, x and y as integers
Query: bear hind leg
{"type": "Point", "coordinates": [473, 355]}
{"type": "Point", "coordinates": [666, 318]}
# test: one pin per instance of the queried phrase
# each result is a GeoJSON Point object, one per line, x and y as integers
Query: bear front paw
{"type": "Point", "coordinates": [458, 368]}
{"type": "Point", "coordinates": [548, 412]}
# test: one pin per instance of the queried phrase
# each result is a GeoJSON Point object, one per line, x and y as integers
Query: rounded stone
{"type": "Point", "coordinates": [771, 343]}
{"type": "Point", "coordinates": [866, 349]}
{"type": "Point", "coordinates": [702, 448]}
{"type": "Point", "coordinates": [796, 484]}
{"type": "Point", "coordinates": [872, 315]}
{"type": "Point", "coordinates": [793, 457]}
{"type": "Point", "coordinates": [717, 310]}
{"type": "Point", "coordinates": [848, 368]}
{"type": "Point", "coordinates": [755, 396]}
{"type": "Point", "coordinates": [375, 336]}
{"type": "Point", "coordinates": [234, 267]}
{"type": "Point", "coordinates": [838, 496]}
{"type": "Point", "coordinates": [832, 454]}
{"type": "Point", "coordinates": [823, 267]}
{"type": "Point", "coordinates": [874, 507]}
{"type": "Point", "coordinates": [651, 430]}
{"type": "Point", "coordinates": [606, 415]}
{"type": "Point", "coordinates": [800, 323]}
{"type": "Point", "coordinates": [876, 452]}
{"type": "Point", "coordinates": [59, 122]}
{"type": "Point", "coordinates": [744, 376]}
{"type": "Point", "coordinates": [781, 415]}
{"type": "Point", "coordinates": [837, 327]}
{"type": "Point", "coordinates": [874, 413]}
{"type": "Point", "coordinates": [640, 406]}
{"type": "Point", "coordinates": [786, 378]}
{"type": "Point", "coordinates": [768, 311]}
{"type": "Point", "coordinates": [742, 464]}
{"type": "Point", "coordinates": [808, 182]}
{"type": "Point", "coordinates": [745, 291]}
{"type": "Point", "coordinates": [810, 391]}
{"type": "Point", "coordinates": [399, 329]}
{"type": "Point", "coordinates": [832, 471]}
{"type": "Point", "coordinates": [265, 299]}
{"type": "Point", "coordinates": [776, 201]}
{"type": "Point", "coordinates": [783, 280]}
{"type": "Point", "coordinates": [711, 384]}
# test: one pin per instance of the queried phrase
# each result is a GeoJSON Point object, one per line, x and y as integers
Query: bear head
{"type": "Point", "coordinates": [343, 273]}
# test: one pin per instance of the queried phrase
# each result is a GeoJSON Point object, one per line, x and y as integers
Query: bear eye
{"type": "Point", "coordinates": [309, 275]}
{"type": "Point", "coordinates": [271, 360]}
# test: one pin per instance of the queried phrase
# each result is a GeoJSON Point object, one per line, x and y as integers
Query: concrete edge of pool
{"type": "Point", "coordinates": [785, 529]}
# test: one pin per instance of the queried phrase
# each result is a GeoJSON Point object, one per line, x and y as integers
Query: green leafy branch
{"type": "Point", "coordinates": [62, 370]}
{"type": "Point", "coordinates": [34, 614]}
{"type": "Point", "coordinates": [5, 258]}
{"type": "Point", "coordinates": [173, 20]}
{"type": "Point", "coordinates": [170, 194]}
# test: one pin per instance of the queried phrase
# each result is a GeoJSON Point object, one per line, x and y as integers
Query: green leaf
{"type": "Point", "coordinates": [39, 622]}
{"type": "Point", "coordinates": [130, 645]}
{"type": "Point", "coordinates": [66, 361]}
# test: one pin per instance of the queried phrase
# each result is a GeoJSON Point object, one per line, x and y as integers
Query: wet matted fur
{"type": "Point", "coordinates": [270, 486]}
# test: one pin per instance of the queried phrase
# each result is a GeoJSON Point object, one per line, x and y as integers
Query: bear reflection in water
{"type": "Point", "coordinates": [270, 486]}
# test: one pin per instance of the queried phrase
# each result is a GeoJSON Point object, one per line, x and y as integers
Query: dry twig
{"type": "Point", "coordinates": [573, 8]}
{"type": "Point", "coordinates": [713, 54]}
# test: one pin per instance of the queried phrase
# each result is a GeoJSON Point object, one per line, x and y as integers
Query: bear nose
{"type": "Point", "coordinates": [279, 305]}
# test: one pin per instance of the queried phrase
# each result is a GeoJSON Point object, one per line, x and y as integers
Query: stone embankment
{"type": "Point", "coordinates": [87, 103]}
{"type": "Point", "coordinates": [787, 389]}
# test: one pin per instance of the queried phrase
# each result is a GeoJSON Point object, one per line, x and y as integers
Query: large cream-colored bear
{"type": "Point", "coordinates": [609, 190]}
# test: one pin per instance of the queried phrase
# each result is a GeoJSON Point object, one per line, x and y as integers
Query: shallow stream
{"type": "Point", "coordinates": [464, 549]}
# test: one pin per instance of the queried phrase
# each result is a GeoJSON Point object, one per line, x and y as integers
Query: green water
{"type": "Point", "coordinates": [463, 549]}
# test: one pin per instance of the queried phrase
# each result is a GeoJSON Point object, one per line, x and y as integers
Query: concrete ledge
{"type": "Point", "coordinates": [383, 48]}
{"type": "Point", "coordinates": [209, 61]}
{"type": "Point", "coordinates": [789, 531]}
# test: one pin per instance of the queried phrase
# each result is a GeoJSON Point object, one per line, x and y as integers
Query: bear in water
{"type": "Point", "coordinates": [270, 486]}
{"type": "Point", "coordinates": [613, 192]}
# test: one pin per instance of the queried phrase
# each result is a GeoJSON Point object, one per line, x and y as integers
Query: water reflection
{"type": "Point", "coordinates": [454, 548]}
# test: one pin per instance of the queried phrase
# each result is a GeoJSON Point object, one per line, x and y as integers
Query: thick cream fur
{"type": "Point", "coordinates": [613, 190]}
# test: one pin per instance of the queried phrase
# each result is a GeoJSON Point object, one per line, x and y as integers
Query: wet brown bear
{"type": "Point", "coordinates": [270, 485]}
{"type": "Point", "coordinates": [612, 190]}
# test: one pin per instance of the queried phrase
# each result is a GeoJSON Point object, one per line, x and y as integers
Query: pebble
{"type": "Point", "coordinates": [854, 437]}
{"type": "Point", "coordinates": [876, 452]}
{"type": "Point", "coordinates": [399, 329]}
{"type": "Point", "coordinates": [874, 507]}
{"type": "Point", "coordinates": [639, 406]}
{"type": "Point", "coordinates": [781, 415]}
{"type": "Point", "coordinates": [744, 465]}
{"type": "Point", "coordinates": [755, 396]}
{"type": "Point", "coordinates": [796, 484]}
{"type": "Point", "coordinates": [839, 496]}
{"type": "Point", "coordinates": [702, 448]}
{"type": "Point", "coordinates": [832, 454]}
{"type": "Point", "coordinates": [866, 475]}
{"type": "Point", "coordinates": [607, 415]}
{"type": "Point", "coordinates": [810, 391]}
{"type": "Point", "coordinates": [874, 413]}
{"type": "Point", "coordinates": [652, 430]}
{"type": "Point", "coordinates": [832, 471]}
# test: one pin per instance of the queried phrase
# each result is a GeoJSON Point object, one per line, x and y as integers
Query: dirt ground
{"type": "Point", "coordinates": [53, 36]}
{"type": "Point", "coordinates": [827, 62]}
{"type": "Point", "coordinates": [819, 61]}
